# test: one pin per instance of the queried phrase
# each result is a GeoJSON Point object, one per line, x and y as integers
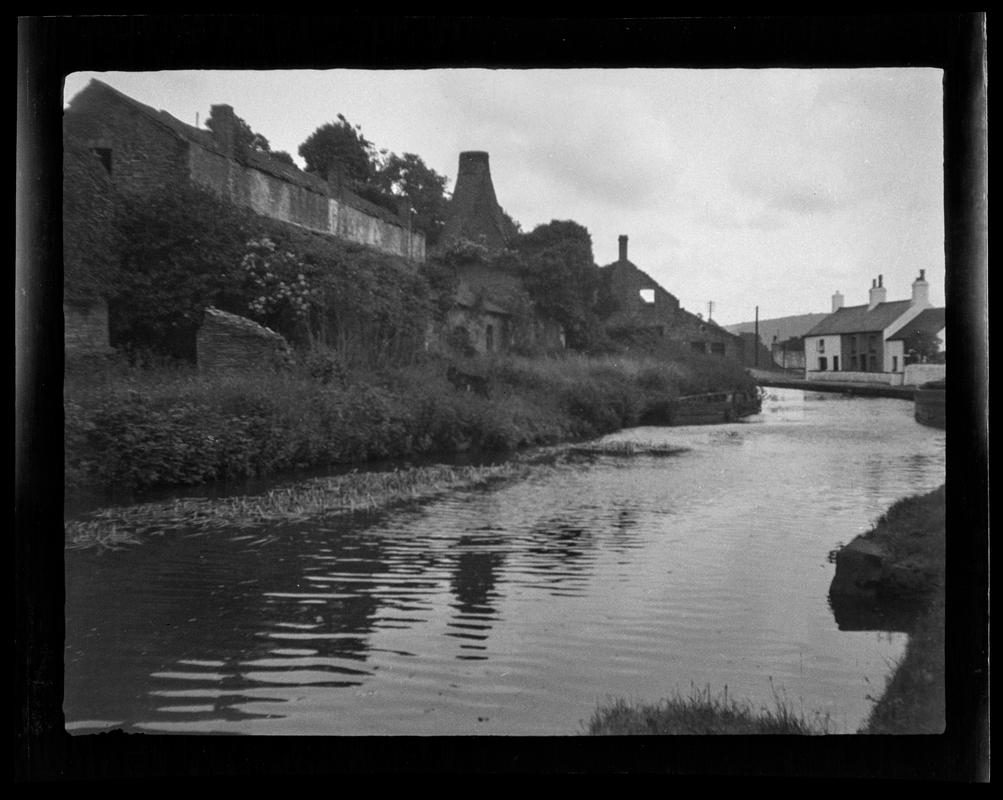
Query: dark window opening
{"type": "Point", "coordinates": [489, 337]}
{"type": "Point", "coordinates": [698, 347]}
{"type": "Point", "coordinates": [717, 348]}
{"type": "Point", "coordinates": [835, 363]}
{"type": "Point", "coordinates": [104, 154]}
{"type": "Point", "coordinates": [823, 364]}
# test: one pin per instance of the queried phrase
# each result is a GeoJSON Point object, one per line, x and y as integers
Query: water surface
{"type": "Point", "coordinates": [516, 610]}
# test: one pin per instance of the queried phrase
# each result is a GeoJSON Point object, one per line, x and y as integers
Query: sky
{"type": "Point", "coordinates": [737, 187]}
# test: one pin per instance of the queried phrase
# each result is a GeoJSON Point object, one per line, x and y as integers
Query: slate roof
{"type": "Point", "coordinates": [931, 320]}
{"type": "Point", "coordinates": [858, 319]}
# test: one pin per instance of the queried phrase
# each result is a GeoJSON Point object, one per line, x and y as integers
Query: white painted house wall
{"type": "Point", "coordinates": [827, 347]}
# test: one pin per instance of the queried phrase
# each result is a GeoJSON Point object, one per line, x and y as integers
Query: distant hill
{"type": "Point", "coordinates": [781, 327]}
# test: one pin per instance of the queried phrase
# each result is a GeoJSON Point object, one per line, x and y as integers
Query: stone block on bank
{"type": "Point", "coordinates": [230, 342]}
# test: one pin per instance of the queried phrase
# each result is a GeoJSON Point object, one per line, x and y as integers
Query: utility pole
{"type": "Point", "coordinates": [756, 348]}
{"type": "Point", "coordinates": [710, 310]}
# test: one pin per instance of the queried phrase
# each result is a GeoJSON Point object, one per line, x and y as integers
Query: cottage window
{"type": "Point", "coordinates": [647, 295]}
{"type": "Point", "coordinates": [489, 338]}
{"type": "Point", "coordinates": [699, 347]}
{"type": "Point", "coordinates": [835, 363]}
{"type": "Point", "coordinates": [895, 363]}
{"type": "Point", "coordinates": [717, 348]}
{"type": "Point", "coordinates": [821, 345]}
{"type": "Point", "coordinates": [823, 364]}
{"type": "Point", "coordinates": [853, 345]}
{"type": "Point", "coordinates": [870, 343]}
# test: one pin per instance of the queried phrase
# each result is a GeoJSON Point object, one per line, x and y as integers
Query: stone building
{"type": "Point", "coordinates": [852, 343]}
{"type": "Point", "coordinates": [149, 151]}
{"type": "Point", "coordinates": [636, 303]}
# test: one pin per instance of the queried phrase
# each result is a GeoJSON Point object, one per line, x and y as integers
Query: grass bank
{"type": "Point", "coordinates": [912, 535]}
{"type": "Point", "coordinates": [132, 429]}
{"type": "Point", "coordinates": [913, 532]}
{"type": "Point", "coordinates": [703, 713]}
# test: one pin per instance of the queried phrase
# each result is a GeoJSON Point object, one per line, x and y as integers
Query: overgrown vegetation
{"type": "Point", "coordinates": [136, 428]}
{"type": "Point", "coordinates": [703, 713]}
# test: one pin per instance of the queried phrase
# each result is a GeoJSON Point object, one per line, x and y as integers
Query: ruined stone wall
{"type": "Point", "coordinates": [230, 342]}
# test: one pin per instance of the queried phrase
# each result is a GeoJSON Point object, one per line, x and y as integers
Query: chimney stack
{"type": "Point", "coordinates": [878, 293]}
{"type": "Point", "coordinates": [623, 247]}
{"type": "Point", "coordinates": [837, 301]}
{"type": "Point", "coordinates": [224, 126]}
{"type": "Point", "coordinates": [921, 290]}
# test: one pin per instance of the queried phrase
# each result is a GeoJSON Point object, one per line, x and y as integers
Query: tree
{"type": "Point", "coordinates": [181, 252]}
{"type": "Point", "coordinates": [245, 139]}
{"type": "Point", "coordinates": [425, 189]}
{"type": "Point", "coordinates": [284, 157]}
{"type": "Point", "coordinates": [562, 277]}
{"type": "Point", "coordinates": [922, 345]}
{"type": "Point", "coordinates": [340, 142]}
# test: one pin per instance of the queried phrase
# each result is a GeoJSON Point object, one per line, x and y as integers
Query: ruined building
{"type": "Point", "coordinates": [149, 151]}
{"type": "Point", "coordinates": [636, 303]}
{"type": "Point", "coordinates": [491, 310]}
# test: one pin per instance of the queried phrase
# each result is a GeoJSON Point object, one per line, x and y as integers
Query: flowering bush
{"type": "Point", "coordinates": [276, 281]}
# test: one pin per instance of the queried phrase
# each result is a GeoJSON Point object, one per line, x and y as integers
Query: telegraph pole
{"type": "Point", "coordinates": [756, 349]}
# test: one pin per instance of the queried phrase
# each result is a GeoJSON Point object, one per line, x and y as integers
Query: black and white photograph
{"type": "Point", "coordinates": [495, 398]}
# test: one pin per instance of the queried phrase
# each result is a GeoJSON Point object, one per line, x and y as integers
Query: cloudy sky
{"type": "Point", "coordinates": [771, 187]}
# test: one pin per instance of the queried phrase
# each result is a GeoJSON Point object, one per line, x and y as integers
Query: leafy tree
{"type": "Point", "coordinates": [562, 277]}
{"type": "Point", "coordinates": [408, 176]}
{"type": "Point", "coordinates": [284, 157]}
{"type": "Point", "coordinates": [181, 253]}
{"type": "Point", "coordinates": [340, 142]}
{"type": "Point", "coordinates": [245, 138]}
{"type": "Point", "coordinates": [922, 345]}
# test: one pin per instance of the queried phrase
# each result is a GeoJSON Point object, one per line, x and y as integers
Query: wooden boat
{"type": "Point", "coordinates": [930, 404]}
{"type": "Point", "coordinates": [714, 408]}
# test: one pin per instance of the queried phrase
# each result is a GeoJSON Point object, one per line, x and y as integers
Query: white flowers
{"type": "Point", "coordinates": [271, 275]}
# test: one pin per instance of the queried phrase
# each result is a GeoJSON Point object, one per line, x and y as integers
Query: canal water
{"type": "Point", "coordinates": [517, 610]}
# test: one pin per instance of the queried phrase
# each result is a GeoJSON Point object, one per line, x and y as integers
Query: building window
{"type": "Point", "coordinates": [104, 154]}
{"type": "Point", "coordinates": [489, 338]}
{"type": "Point", "coordinates": [853, 345]}
{"type": "Point", "coordinates": [699, 347]}
{"type": "Point", "coordinates": [895, 363]}
{"type": "Point", "coordinates": [823, 364]}
{"type": "Point", "coordinates": [717, 348]}
{"type": "Point", "coordinates": [821, 345]}
{"type": "Point", "coordinates": [647, 295]}
{"type": "Point", "coordinates": [870, 344]}
{"type": "Point", "coordinates": [835, 363]}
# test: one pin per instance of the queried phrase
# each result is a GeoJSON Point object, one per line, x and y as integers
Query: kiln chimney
{"type": "Point", "coordinates": [623, 247]}
{"type": "Point", "coordinates": [837, 301]}
{"type": "Point", "coordinates": [224, 127]}
{"type": "Point", "coordinates": [474, 211]}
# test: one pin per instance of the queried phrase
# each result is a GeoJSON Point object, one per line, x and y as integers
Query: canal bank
{"type": "Point", "coordinates": [900, 564]}
{"type": "Point", "coordinates": [788, 381]}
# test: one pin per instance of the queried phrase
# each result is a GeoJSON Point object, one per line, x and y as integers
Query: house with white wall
{"type": "Point", "coordinates": [852, 343]}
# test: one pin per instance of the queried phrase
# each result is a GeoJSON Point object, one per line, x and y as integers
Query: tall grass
{"type": "Point", "coordinates": [133, 428]}
{"type": "Point", "coordinates": [703, 713]}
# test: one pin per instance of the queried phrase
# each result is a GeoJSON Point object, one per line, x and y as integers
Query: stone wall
{"type": "Point", "coordinates": [148, 152]}
{"type": "Point", "coordinates": [915, 374]}
{"type": "Point", "coordinates": [85, 329]}
{"type": "Point", "coordinates": [231, 342]}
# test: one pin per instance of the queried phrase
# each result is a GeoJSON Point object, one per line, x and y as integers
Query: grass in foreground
{"type": "Point", "coordinates": [352, 493]}
{"type": "Point", "coordinates": [700, 714]}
